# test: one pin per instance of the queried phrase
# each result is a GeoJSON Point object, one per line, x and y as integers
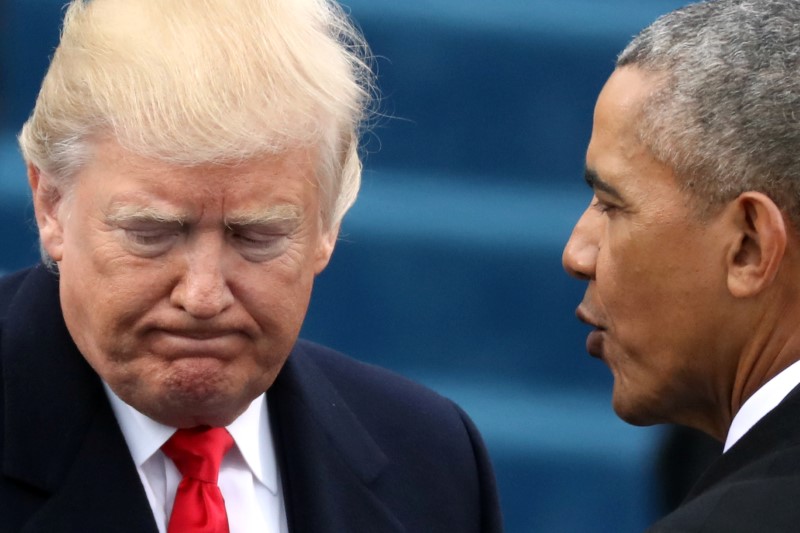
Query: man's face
{"type": "Point", "coordinates": [655, 271]}
{"type": "Point", "coordinates": [185, 288]}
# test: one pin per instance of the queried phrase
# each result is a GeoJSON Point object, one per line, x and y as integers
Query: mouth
{"type": "Point", "coordinates": [180, 344]}
{"type": "Point", "coordinates": [596, 338]}
{"type": "Point", "coordinates": [199, 334]}
{"type": "Point", "coordinates": [594, 343]}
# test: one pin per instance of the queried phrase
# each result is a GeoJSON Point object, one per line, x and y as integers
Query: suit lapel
{"type": "Point", "coordinates": [776, 430]}
{"type": "Point", "coordinates": [328, 460]}
{"type": "Point", "coordinates": [61, 436]}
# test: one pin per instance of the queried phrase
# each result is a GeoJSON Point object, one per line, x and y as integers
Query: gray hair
{"type": "Point", "coordinates": [192, 82]}
{"type": "Point", "coordinates": [726, 113]}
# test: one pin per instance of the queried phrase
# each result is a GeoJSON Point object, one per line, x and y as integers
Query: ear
{"type": "Point", "coordinates": [46, 202]}
{"type": "Point", "coordinates": [325, 246]}
{"type": "Point", "coordinates": [754, 259]}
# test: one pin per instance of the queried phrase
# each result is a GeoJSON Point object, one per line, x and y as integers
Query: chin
{"type": "Point", "coordinates": [183, 401]}
{"type": "Point", "coordinates": [635, 419]}
{"type": "Point", "coordinates": [179, 409]}
{"type": "Point", "coordinates": [633, 410]}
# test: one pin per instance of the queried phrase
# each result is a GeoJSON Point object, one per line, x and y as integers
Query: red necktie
{"type": "Point", "coordinates": [199, 506]}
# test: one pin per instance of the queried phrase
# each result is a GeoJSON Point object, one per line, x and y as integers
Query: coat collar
{"type": "Point", "coordinates": [778, 429]}
{"type": "Point", "coordinates": [329, 462]}
{"type": "Point", "coordinates": [60, 435]}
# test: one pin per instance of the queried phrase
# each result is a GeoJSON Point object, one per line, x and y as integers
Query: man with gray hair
{"type": "Point", "coordinates": [190, 163]}
{"type": "Point", "coordinates": [691, 249]}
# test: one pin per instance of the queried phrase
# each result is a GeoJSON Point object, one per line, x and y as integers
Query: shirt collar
{"type": "Point", "coordinates": [762, 402]}
{"type": "Point", "coordinates": [253, 436]}
{"type": "Point", "coordinates": [251, 432]}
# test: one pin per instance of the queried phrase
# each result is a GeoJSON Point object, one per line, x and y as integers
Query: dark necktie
{"type": "Point", "coordinates": [199, 506]}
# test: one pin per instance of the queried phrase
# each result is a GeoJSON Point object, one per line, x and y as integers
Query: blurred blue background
{"type": "Point", "coordinates": [448, 269]}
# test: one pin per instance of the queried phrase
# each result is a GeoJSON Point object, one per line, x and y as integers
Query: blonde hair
{"type": "Point", "coordinates": [193, 82]}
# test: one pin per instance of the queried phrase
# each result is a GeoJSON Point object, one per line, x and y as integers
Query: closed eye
{"type": "Point", "coordinates": [151, 237]}
{"type": "Point", "coordinates": [255, 238]}
{"type": "Point", "coordinates": [258, 245]}
{"type": "Point", "coordinates": [150, 242]}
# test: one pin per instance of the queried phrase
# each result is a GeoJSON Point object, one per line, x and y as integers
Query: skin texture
{"type": "Point", "coordinates": [678, 301]}
{"type": "Point", "coordinates": [185, 287]}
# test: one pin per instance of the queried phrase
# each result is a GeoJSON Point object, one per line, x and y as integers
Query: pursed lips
{"type": "Point", "coordinates": [198, 342]}
{"type": "Point", "coordinates": [200, 334]}
{"type": "Point", "coordinates": [595, 339]}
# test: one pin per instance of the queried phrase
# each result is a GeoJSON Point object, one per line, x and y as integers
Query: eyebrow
{"type": "Point", "coordinates": [594, 181]}
{"type": "Point", "coordinates": [278, 214]}
{"type": "Point", "coordinates": [135, 213]}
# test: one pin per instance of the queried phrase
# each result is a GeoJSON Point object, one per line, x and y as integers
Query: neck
{"type": "Point", "coordinates": [773, 346]}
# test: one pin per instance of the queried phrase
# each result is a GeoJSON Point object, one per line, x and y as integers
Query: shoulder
{"type": "Point", "coordinates": [429, 443]}
{"type": "Point", "coordinates": [407, 420]}
{"type": "Point", "coordinates": [360, 382]}
{"type": "Point", "coordinates": [417, 451]}
{"type": "Point", "coordinates": [9, 287]}
{"type": "Point", "coordinates": [762, 496]}
{"type": "Point", "coordinates": [347, 370]}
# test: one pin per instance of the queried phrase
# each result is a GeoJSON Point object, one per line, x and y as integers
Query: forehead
{"type": "Point", "coordinates": [116, 175]}
{"type": "Point", "coordinates": [616, 152]}
{"type": "Point", "coordinates": [618, 111]}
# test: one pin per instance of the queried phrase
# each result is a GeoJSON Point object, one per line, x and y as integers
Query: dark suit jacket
{"type": "Point", "coordinates": [752, 488]}
{"type": "Point", "coordinates": [360, 449]}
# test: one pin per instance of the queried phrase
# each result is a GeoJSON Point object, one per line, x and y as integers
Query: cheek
{"type": "Point", "coordinates": [105, 295]}
{"type": "Point", "coordinates": [643, 264]}
{"type": "Point", "coordinates": [639, 293]}
{"type": "Point", "coordinates": [626, 276]}
{"type": "Point", "coordinates": [294, 271]}
{"type": "Point", "coordinates": [657, 306]}
{"type": "Point", "coordinates": [275, 295]}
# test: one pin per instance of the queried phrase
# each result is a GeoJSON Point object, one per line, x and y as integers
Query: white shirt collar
{"type": "Point", "coordinates": [251, 432]}
{"type": "Point", "coordinates": [762, 402]}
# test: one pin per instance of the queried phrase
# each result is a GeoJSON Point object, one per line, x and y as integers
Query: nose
{"type": "Point", "coordinates": [203, 289]}
{"type": "Point", "coordinates": [580, 253]}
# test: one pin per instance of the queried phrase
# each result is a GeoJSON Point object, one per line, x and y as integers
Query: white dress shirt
{"type": "Point", "coordinates": [762, 402]}
{"type": "Point", "coordinates": [248, 476]}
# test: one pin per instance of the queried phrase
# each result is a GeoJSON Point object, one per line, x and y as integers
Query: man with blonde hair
{"type": "Point", "coordinates": [691, 250]}
{"type": "Point", "coordinates": [190, 163]}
